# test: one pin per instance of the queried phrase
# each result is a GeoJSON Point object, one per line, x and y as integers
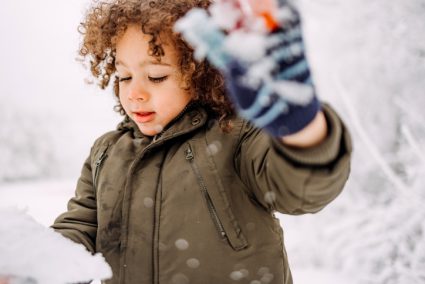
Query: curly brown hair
{"type": "Point", "coordinates": [106, 21]}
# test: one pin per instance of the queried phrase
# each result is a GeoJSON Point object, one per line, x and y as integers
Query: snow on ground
{"type": "Point", "coordinates": [315, 276]}
{"type": "Point", "coordinates": [31, 250]}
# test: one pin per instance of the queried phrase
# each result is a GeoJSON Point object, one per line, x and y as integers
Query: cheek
{"type": "Point", "coordinates": [179, 100]}
{"type": "Point", "coordinates": [181, 95]}
{"type": "Point", "coordinates": [122, 94]}
{"type": "Point", "coordinates": [172, 97]}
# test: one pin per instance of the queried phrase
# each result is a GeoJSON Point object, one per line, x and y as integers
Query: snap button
{"type": "Point", "coordinates": [195, 121]}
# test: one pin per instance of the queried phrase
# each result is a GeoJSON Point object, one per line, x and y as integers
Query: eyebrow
{"type": "Point", "coordinates": [143, 63]}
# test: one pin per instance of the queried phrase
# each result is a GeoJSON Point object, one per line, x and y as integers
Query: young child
{"type": "Point", "coordinates": [184, 190]}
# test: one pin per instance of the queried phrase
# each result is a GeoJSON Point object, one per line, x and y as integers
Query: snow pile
{"type": "Point", "coordinates": [29, 252]}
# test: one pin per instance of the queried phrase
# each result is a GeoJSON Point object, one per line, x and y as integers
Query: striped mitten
{"type": "Point", "coordinates": [267, 74]}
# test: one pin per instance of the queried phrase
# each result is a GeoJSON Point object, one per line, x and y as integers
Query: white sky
{"type": "Point", "coordinates": [39, 74]}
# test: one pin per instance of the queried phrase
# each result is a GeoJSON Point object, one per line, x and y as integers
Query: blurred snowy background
{"type": "Point", "coordinates": [368, 60]}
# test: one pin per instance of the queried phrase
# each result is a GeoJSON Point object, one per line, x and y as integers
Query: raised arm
{"type": "Point", "coordinates": [295, 180]}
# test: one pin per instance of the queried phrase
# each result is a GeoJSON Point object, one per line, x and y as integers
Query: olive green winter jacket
{"type": "Point", "coordinates": [195, 204]}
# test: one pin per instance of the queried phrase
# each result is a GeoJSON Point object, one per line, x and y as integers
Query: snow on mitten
{"type": "Point", "coordinates": [264, 63]}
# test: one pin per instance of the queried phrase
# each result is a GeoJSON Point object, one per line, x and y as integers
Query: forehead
{"type": "Point", "coordinates": [133, 44]}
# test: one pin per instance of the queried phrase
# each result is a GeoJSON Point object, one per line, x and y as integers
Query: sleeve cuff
{"type": "Point", "coordinates": [336, 144]}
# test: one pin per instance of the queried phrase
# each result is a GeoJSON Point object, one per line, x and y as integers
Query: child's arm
{"type": "Point", "coordinates": [79, 223]}
{"type": "Point", "coordinates": [305, 162]}
{"type": "Point", "coordinates": [294, 180]}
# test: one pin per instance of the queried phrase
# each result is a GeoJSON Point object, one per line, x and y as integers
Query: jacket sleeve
{"type": "Point", "coordinates": [292, 180]}
{"type": "Point", "coordinates": [79, 223]}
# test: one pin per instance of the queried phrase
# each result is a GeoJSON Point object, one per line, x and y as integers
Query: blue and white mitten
{"type": "Point", "coordinates": [267, 74]}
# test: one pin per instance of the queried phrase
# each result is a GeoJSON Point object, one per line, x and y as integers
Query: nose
{"type": "Point", "coordinates": [137, 92]}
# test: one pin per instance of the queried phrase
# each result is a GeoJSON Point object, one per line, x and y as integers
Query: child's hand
{"type": "Point", "coordinates": [267, 73]}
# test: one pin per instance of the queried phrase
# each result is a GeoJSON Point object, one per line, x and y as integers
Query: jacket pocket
{"type": "Point", "coordinates": [225, 225]}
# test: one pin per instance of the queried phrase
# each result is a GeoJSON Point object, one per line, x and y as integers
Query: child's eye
{"type": "Point", "coordinates": [158, 79]}
{"type": "Point", "coordinates": [122, 79]}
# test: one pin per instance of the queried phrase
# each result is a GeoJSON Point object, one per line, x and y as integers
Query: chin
{"type": "Point", "coordinates": [150, 131]}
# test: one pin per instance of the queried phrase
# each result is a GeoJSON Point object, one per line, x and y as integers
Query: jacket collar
{"type": "Point", "coordinates": [192, 117]}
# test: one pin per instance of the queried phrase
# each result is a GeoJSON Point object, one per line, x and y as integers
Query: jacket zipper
{"type": "Point", "coordinates": [180, 115]}
{"type": "Point", "coordinates": [204, 191]}
{"type": "Point", "coordinates": [98, 164]}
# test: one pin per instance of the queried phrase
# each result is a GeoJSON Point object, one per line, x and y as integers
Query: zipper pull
{"type": "Point", "coordinates": [101, 158]}
{"type": "Point", "coordinates": [98, 163]}
{"type": "Point", "coordinates": [189, 154]}
{"type": "Point", "coordinates": [157, 136]}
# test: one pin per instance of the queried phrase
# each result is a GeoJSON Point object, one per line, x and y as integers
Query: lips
{"type": "Point", "coordinates": [143, 117]}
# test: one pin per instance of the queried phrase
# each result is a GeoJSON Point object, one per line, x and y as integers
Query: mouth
{"type": "Point", "coordinates": [143, 117]}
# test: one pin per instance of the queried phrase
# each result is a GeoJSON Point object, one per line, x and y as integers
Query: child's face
{"type": "Point", "coordinates": [150, 92]}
